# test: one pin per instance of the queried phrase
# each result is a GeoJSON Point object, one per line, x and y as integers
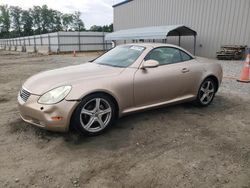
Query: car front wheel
{"type": "Point", "coordinates": [94, 114]}
{"type": "Point", "coordinates": [206, 92]}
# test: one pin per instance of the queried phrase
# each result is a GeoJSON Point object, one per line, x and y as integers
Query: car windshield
{"type": "Point", "coordinates": [121, 56]}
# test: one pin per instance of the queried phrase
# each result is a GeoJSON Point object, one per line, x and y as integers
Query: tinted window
{"type": "Point", "coordinates": [165, 55]}
{"type": "Point", "coordinates": [185, 57]}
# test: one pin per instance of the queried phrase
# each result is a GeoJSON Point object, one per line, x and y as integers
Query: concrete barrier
{"type": "Point", "coordinates": [30, 49]}
{"type": "Point", "coordinates": [13, 48]}
{"type": "Point", "coordinates": [20, 49]}
{"type": "Point", "coordinates": [42, 49]}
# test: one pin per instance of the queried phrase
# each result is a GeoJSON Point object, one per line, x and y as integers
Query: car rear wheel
{"type": "Point", "coordinates": [94, 115]}
{"type": "Point", "coordinates": [206, 92]}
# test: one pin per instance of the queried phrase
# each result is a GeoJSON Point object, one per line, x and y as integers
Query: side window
{"type": "Point", "coordinates": [185, 57]}
{"type": "Point", "coordinates": [165, 55]}
{"type": "Point", "coordinates": [176, 55]}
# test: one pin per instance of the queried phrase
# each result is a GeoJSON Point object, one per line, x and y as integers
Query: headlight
{"type": "Point", "coordinates": [55, 95]}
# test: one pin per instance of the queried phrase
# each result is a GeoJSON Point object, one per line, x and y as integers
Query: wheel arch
{"type": "Point", "coordinates": [91, 93]}
{"type": "Point", "coordinates": [215, 79]}
{"type": "Point", "coordinates": [108, 94]}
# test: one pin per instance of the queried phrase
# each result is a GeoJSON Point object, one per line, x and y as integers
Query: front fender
{"type": "Point", "coordinates": [119, 87]}
{"type": "Point", "coordinates": [213, 70]}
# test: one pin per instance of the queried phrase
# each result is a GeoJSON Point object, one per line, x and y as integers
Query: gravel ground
{"type": "Point", "coordinates": [232, 71]}
{"type": "Point", "coordinates": [177, 146]}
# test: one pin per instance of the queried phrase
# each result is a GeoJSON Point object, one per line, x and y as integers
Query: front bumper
{"type": "Point", "coordinates": [42, 115]}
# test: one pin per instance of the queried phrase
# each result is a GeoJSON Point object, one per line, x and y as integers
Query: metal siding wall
{"type": "Point", "coordinates": [217, 22]}
{"type": "Point", "coordinates": [69, 41]}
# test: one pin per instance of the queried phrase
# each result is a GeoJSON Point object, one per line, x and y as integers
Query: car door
{"type": "Point", "coordinates": [170, 80]}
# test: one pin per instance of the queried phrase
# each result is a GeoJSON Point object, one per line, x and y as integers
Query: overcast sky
{"type": "Point", "coordinates": [94, 12]}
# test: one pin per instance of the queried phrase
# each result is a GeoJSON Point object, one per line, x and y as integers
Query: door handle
{"type": "Point", "coordinates": [184, 70]}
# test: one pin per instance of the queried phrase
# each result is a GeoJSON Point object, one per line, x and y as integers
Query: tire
{"type": "Point", "coordinates": [94, 115]}
{"type": "Point", "coordinates": [206, 92]}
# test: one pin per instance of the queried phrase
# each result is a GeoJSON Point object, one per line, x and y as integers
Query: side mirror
{"type": "Point", "coordinates": [150, 64]}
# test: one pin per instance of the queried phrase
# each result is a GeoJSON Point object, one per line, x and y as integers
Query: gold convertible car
{"type": "Point", "coordinates": [129, 78]}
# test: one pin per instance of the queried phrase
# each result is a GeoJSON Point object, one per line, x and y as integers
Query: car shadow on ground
{"type": "Point", "coordinates": [129, 126]}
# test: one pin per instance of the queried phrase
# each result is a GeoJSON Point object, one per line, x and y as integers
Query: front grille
{"type": "Point", "coordinates": [24, 94]}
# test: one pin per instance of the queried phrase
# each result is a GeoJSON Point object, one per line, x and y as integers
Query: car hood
{"type": "Point", "coordinates": [45, 81]}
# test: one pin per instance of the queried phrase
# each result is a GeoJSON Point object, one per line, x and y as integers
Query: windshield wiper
{"type": "Point", "coordinates": [110, 65]}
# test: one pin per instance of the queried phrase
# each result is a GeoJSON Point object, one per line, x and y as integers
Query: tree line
{"type": "Point", "coordinates": [16, 22]}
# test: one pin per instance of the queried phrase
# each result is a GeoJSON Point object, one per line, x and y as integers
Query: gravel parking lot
{"type": "Point", "coordinates": [177, 146]}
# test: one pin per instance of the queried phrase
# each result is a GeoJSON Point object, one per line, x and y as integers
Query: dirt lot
{"type": "Point", "coordinates": [178, 146]}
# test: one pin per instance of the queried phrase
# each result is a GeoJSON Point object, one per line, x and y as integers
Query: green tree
{"type": "Point", "coordinates": [57, 22]}
{"type": "Point", "coordinates": [46, 19]}
{"type": "Point", "coordinates": [36, 13]}
{"type": "Point", "coordinates": [27, 22]}
{"type": "Point", "coordinates": [4, 21]}
{"type": "Point", "coordinates": [105, 28]}
{"type": "Point", "coordinates": [77, 22]}
{"type": "Point", "coordinates": [16, 13]}
{"type": "Point", "coordinates": [17, 22]}
{"type": "Point", "coordinates": [111, 28]}
{"type": "Point", "coordinates": [67, 21]}
{"type": "Point", "coordinates": [96, 28]}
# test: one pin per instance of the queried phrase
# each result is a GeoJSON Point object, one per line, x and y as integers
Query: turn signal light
{"type": "Point", "coordinates": [56, 118]}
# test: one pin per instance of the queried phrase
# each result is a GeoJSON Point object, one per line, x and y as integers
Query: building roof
{"type": "Point", "coordinates": [156, 32]}
{"type": "Point", "coordinates": [121, 3]}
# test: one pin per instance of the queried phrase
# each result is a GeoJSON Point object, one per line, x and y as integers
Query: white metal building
{"type": "Point", "coordinates": [217, 22]}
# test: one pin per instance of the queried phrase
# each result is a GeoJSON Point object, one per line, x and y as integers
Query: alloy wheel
{"type": "Point", "coordinates": [207, 92]}
{"type": "Point", "coordinates": [95, 115]}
